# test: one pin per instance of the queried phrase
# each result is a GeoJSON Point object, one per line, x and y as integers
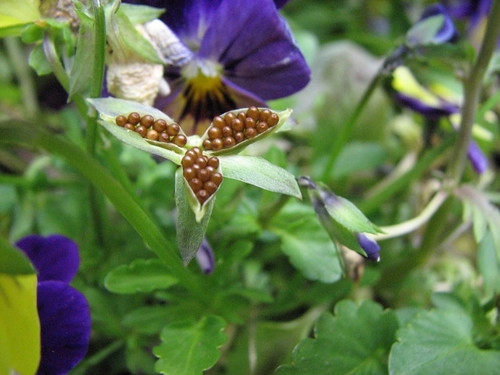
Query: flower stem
{"type": "Point", "coordinates": [472, 90]}
{"type": "Point", "coordinates": [344, 133]}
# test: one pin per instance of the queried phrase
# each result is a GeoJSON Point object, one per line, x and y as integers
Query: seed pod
{"type": "Point", "coordinates": [200, 172]}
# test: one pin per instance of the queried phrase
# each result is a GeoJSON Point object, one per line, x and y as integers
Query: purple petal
{"type": "Point", "coordinates": [477, 159]}
{"type": "Point", "coordinates": [253, 43]}
{"type": "Point", "coordinates": [371, 247]}
{"type": "Point", "coordinates": [280, 3]}
{"type": "Point", "coordinates": [205, 257]}
{"type": "Point", "coordinates": [431, 112]}
{"type": "Point", "coordinates": [65, 327]}
{"type": "Point", "coordinates": [55, 257]}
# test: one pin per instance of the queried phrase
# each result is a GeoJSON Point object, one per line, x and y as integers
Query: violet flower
{"type": "Point", "coordinates": [239, 53]}
{"type": "Point", "coordinates": [474, 11]}
{"type": "Point", "coordinates": [205, 257]}
{"type": "Point", "coordinates": [63, 311]}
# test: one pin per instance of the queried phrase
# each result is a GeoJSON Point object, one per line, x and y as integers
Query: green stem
{"type": "Point", "coordinates": [17, 132]}
{"type": "Point", "coordinates": [472, 90]}
{"type": "Point", "coordinates": [24, 76]}
{"type": "Point", "coordinates": [343, 135]}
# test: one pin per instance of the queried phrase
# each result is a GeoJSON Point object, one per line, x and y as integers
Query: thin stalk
{"type": "Point", "coordinates": [343, 135]}
{"type": "Point", "coordinates": [472, 90]}
{"type": "Point", "coordinates": [24, 76]}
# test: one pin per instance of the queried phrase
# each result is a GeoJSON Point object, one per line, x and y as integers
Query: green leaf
{"type": "Point", "coordinates": [355, 341]}
{"type": "Point", "coordinates": [13, 261]}
{"type": "Point", "coordinates": [261, 173]}
{"type": "Point", "coordinates": [38, 61]}
{"type": "Point", "coordinates": [441, 342]}
{"type": "Point", "coordinates": [147, 319]}
{"type": "Point", "coordinates": [109, 108]}
{"type": "Point", "coordinates": [19, 325]}
{"type": "Point", "coordinates": [191, 225]}
{"type": "Point", "coordinates": [306, 243]}
{"type": "Point", "coordinates": [190, 347]}
{"type": "Point", "coordinates": [358, 156]}
{"type": "Point", "coordinates": [138, 14]}
{"type": "Point", "coordinates": [142, 275]}
{"type": "Point", "coordinates": [489, 265]}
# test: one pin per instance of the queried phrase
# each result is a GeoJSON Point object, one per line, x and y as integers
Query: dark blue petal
{"type": "Point", "coordinates": [477, 159]}
{"type": "Point", "coordinates": [254, 45]}
{"type": "Point", "coordinates": [474, 10]}
{"type": "Point", "coordinates": [431, 112]}
{"type": "Point", "coordinates": [205, 257]}
{"type": "Point", "coordinates": [65, 327]}
{"type": "Point", "coordinates": [55, 257]}
{"type": "Point", "coordinates": [280, 3]}
{"type": "Point", "coordinates": [371, 247]}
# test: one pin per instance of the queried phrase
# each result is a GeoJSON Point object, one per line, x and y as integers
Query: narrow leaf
{"type": "Point", "coordinates": [261, 173]}
{"type": "Point", "coordinates": [142, 275]}
{"type": "Point", "coordinates": [189, 347]}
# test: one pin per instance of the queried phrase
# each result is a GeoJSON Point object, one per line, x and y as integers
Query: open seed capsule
{"type": "Point", "coordinates": [200, 172]}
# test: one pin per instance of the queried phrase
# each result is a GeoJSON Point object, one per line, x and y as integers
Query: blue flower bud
{"type": "Point", "coordinates": [370, 246]}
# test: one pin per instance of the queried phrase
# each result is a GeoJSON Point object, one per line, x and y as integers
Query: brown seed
{"type": "Point", "coordinates": [195, 184]}
{"type": "Point", "coordinates": [197, 151]}
{"type": "Point", "coordinates": [210, 170]}
{"type": "Point", "coordinates": [217, 144]}
{"type": "Point", "coordinates": [173, 129]}
{"type": "Point", "coordinates": [142, 130]}
{"type": "Point", "coordinates": [253, 112]}
{"type": "Point", "coordinates": [210, 187]}
{"type": "Point", "coordinates": [164, 137]}
{"type": "Point", "coordinates": [191, 153]}
{"type": "Point", "coordinates": [160, 125]}
{"type": "Point", "coordinates": [216, 178]}
{"type": "Point", "coordinates": [250, 133]}
{"type": "Point", "coordinates": [187, 161]}
{"type": "Point", "coordinates": [229, 117]}
{"type": "Point", "coordinates": [237, 125]}
{"type": "Point", "coordinates": [264, 114]}
{"type": "Point", "coordinates": [228, 142]}
{"type": "Point", "coordinates": [196, 168]}
{"type": "Point", "coordinates": [238, 137]}
{"type": "Point", "coordinates": [189, 173]}
{"type": "Point", "coordinates": [227, 131]}
{"type": "Point", "coordinates": [147, 121]}
{"type": "Point", "coordinates": [218, 122]}
{"type": "Point", "coordinates": [261, 127]}
{"type": "Point", "coordinates": [214, 132]}
{"type": "Point", "coordinates": [249, 123]}
{"type": "Point", "coordinates": [207, 144]}
{"type": "Point", "coordinates": [202, 195]}
{"type": "Point", "coordinates": [134, 118]}
{"type": "Point", "coordinates": [152, 135]}
{"type": "Point", "coordinates": [201, 161]}
{"type": "Point", "coordinates": [273, 119]}
{"type": "Point", "coordinates": [213, 162]}
{"type": "Point", "coordinates": [180, 140]}
{"type": "Point", "coordinates": [129, 126]}
{"type": "Point", "coordinates": [121, 120]}
{"type": "Point", "coordinates": [203, 175]}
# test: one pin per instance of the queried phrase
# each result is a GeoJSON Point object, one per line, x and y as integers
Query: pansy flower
{"type": "Point", "coordinates": [433, 102]}
{"type": "Point", "coordinates": [63, 311]}
{"type": "Point", "coordinates": [231, 54]}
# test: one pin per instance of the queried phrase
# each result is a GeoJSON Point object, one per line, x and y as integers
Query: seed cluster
{"type": "Point", "coordinates": [149, 128]}
{"type": "Point", "coordinates": [233, 128]}
{"type": "Point", "coordinates": [200, 171]}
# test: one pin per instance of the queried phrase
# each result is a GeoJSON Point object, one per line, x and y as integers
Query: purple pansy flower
{"type": "Point", "coordinates": [473, 10]}
{"type": "Point", "coordinates": [63, 311]}
{"type": "Point", "coordinates": [237, 53]}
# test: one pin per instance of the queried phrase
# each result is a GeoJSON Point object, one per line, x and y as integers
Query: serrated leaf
{"type": "Point", "coordinates": [190, 230]}
{"type": "Point", "coordinates": [109, 108]}
{"type": "Point", "coordinates": [19, 325]}
{"type": "Point", "coordinates": [189, 347]}
{"type": "Point", "coordinates": [261, 173]}
{"type": "Point", "coordinates": [142, 275]}
{"type": "Point", "coordinates": [441, 342]}
{"type": "Point", "coordinates": [355, 341]}
{"type": "Point", "coordinates": [306, 243]}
